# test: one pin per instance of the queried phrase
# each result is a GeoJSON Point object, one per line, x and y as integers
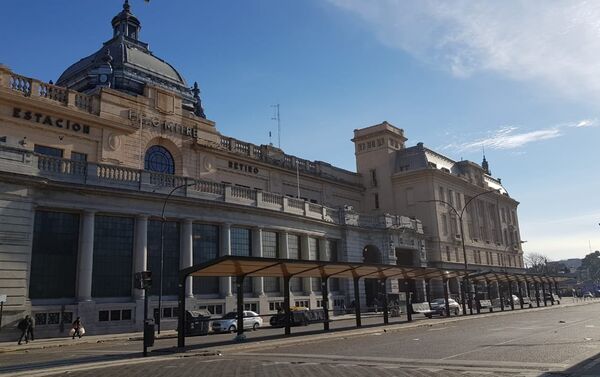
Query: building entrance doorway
{"type": "Point", "coordinates": [371, 254]}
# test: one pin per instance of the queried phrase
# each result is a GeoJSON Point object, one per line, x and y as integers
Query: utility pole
{"type": "Point", "coordinates": [278, 119]}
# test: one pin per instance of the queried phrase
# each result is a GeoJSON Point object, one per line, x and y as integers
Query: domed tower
{"type": "Point", "coordinates": [126, 64]}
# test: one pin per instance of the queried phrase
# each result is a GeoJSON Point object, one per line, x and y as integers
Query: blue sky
{"type": "Point", "coordinates": [521, 79]}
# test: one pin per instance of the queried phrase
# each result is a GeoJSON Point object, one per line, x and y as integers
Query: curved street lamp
{"type": "Point", "coordinates": [162, 247]}
{"type": "Point", "coordinates": [462, 237]}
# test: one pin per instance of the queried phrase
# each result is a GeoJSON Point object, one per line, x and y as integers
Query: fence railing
{"type": "Point", "coordinates": [57, 169]}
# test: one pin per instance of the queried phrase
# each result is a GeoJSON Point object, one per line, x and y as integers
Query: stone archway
{"type": "Point", "coordinates": [371, 254]}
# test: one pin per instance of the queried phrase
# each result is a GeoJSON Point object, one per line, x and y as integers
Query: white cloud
{"type": "Point", "coordinates": [554, 43]}
{"type": "Point", "coordinates": [585, 123]}
{"type": "Point", "coordinates": [506, 138]}
{"type": "Point", "coordinates": [510, 137]}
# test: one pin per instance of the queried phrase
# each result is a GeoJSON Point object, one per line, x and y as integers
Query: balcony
{"type": "Point", "coordinates": [27, 163]}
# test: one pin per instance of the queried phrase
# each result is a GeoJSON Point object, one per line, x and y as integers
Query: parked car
{"type": "Point", "coordinates": [438, 306]}
{"type": "Point", "coordinates": [515, 300]}
{"type": "Point", "coordinates": [588, 295]}
{"type": "Point", "coordinates": [229, 322]}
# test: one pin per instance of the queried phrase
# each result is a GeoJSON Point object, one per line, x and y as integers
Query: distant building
{"type": "Point", "coordinates": [408, 180]}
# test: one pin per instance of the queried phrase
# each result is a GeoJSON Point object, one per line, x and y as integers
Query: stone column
{"type": "Point", "coordinates": [305, 254]}
{"type": "Point", "coordinates": [140, 253]}
{"type": "Point", "coordinates": [186, 259]}
{"type": "Point", "coordinates": [257, 283]}
{"type": "Point", "coordinates": [225, 281]}
{"type": "Point", "coordinates": [86, 257]}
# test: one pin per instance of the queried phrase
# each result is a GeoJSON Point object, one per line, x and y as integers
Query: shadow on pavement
{"type": "Point", "coordinates": [67, 361]}
{"type": "Point", "coordinates": [588, 368]}
{"type": "Point", "coordinates": [257, 339]}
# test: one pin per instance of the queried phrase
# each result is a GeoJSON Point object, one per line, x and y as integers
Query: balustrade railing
{"type": "Point", "coordinates": [61, 166]}
{"type": "Point", "coordinates": [296, 203]}
{"type": "Point", "coordinates": [93, 174]}
{"type": "Point", "coordinates": [166, 180]}
{"type": "Point", "coordinates": [52, 92]}
{"type": "Point", "coordinates": [209, 187]}
{"type": "Point", "coordinates": [117, 173]}
{"type": "Point", "coordinates": [20, 83]}
{"type": "Point", "coordinates": [243, 193]}
{"type": "Point", "coordinates": [83, 102]}
{"type": "Point", "coordinates": [271, 198]}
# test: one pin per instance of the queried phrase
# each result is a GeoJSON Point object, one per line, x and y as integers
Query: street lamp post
{"type": "Point", "coordinates": [460, 214]}
{"type": "Point", "coordinates": [162, 247]}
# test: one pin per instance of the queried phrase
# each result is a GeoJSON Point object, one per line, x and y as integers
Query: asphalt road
{"type": "Point", "coordinates": [527, 343]}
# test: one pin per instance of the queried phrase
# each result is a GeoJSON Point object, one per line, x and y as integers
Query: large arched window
{"type": "Point", "coordinates": [159, 159]}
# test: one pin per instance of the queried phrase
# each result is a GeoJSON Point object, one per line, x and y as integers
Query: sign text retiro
{"type": "Point", "coordinates": [166, 125]}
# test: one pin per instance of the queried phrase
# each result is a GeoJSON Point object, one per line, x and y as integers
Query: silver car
{"type": "Point", "coordinates": [229, 322]}
{"type": "Point", "coordinates": [438, 306]}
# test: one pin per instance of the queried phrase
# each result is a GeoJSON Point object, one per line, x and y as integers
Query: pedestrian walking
{"type": "Point", "coordinates": [30, 325]}
{"type": "Point", "coordinates": [23, 325]}
{"type": "Point", "coordinates": [77, 329]}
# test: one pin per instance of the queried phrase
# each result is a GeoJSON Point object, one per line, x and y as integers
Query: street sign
{"type": "Point", "coordinates": [2, 298]}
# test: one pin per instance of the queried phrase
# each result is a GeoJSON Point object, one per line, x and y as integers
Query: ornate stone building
{"type": "Point", "coordinates": [87, 166]}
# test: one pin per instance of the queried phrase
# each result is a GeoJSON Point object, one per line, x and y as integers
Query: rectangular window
{"type": "Point", "coordinates": [313, 249]}
{"type": "Point", "coordinates": [441, 194]}
{"type": "Point", "coordinates": [103, 316]}
{"type": "Point", "coordinates": [451, 197]}
{"type": "Point", "coordinates": [115, 315]}
{"type": "Point", "coordinates": [126, 314]}
{"type": "Point", "coordinates": [240, 241]}
{"type": "Point", "coordinates": [76, 156]}
{"type": "Point", "coordinates": [48, 151]}
{"type": "Point", "coordinates": [444, 225]}
{"type": "Point", "coordinates": [293, 246]}
{"type": "Point", "coordinates": [331, 251]}
{"type": "Point", "coordinates": [253, 307]}
{"type": "Point", "coordinates": [316, 284]}
{"type": "Point", "coordinates": [270, 250]}
{"type": "Point", "coordinates": [205, 246]}
{"type": "Point", "coordinates": [170, 248]}
{"type": "Point", "coordinates": [373, 178]}
{"type": "Point", "coordinates": [458, 201]}
{"type": "Point", "coordinates": [113, 253]}
{"type": "Point", "coordinates": [54, 255]}
{"type": "Point", "coordinates": [456, 254]}
{"type": "Point", "coordinates": [448, 256]}
{"type": "Point", "coordinates": [376, 199]}
{"type": "Point", "coordinates": [296, 284]}
{"type": "Point", "coordinates": [269, 244]}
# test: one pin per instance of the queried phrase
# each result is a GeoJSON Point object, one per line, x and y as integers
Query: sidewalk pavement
{"type": "Point", "coordinates": [418, 321]}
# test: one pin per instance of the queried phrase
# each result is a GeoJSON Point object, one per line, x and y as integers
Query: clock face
{"type": "Point", "coordinates": [103, 78]}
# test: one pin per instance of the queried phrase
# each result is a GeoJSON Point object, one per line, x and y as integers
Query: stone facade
{"type": "Point", "coordinates": [88, 167]}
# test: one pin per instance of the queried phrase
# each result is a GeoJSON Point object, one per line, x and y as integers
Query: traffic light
{"type": "Point", "coordinates": [143, 280]}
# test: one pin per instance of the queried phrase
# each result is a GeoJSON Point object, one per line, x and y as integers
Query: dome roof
{"type": "Point", "coordinates": [125, 63]}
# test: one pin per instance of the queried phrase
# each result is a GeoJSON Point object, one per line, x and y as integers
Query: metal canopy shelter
{"type": "Point", "coordinates": [519, 278]}
{"type": "Point", "coordinates": [242, 267]}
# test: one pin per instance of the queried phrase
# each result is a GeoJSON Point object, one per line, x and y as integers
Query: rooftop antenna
{"type": "Point", "coordinates": [278, 119]}
{"type": "Point", "coordinates": [270, 142]}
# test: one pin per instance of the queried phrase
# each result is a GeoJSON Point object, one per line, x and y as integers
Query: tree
{"type": "Point", "coordinates": [591, 263]}
{"type": "Point", "coordinates": [536, 262]}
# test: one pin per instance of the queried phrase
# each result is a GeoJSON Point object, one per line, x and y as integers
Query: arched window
{"type": "Point", "coordinates": [159, 159]}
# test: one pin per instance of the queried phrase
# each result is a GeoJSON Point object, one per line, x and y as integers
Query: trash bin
{"type": "Point", "coordinates": [149, 332]}
{"type": "Point", "coordinates": [197, 322]}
